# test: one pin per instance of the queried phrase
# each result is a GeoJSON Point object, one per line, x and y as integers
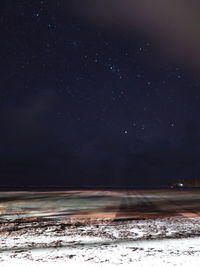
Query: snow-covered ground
{"type": "Point", "coordinates": [158, 242]}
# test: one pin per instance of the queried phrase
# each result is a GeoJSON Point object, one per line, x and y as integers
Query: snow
{"type": "Point", "coordinates": [134, 243]}
{"type": "Point", "coordinates": [181, 252]}
{"type": "Point", "coordinates": [94, 228]}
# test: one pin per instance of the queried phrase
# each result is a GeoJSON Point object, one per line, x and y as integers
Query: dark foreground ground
{"type": "Point", "coordinates": [145, 227]}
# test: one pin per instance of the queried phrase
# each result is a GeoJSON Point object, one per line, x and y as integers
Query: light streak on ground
{"type": "Point", "coordinates": [100, 204]}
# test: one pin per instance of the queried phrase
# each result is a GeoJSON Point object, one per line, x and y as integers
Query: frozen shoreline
{"type": "Point", "coordinates": [161, 242]}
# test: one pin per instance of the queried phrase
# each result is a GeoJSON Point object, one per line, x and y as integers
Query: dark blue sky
{"type": "Point", "coordinates": [88, 101]}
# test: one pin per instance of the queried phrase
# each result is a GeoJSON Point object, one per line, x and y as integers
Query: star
{"type": "Point", "coordinates": [36, 14]}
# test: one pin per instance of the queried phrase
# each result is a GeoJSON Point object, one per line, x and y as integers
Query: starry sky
{"type": "Point", "coordinates": [97, 93]}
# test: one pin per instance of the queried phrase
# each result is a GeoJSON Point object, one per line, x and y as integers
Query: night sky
{"type": "Point", "coordinates": [99, 92]}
